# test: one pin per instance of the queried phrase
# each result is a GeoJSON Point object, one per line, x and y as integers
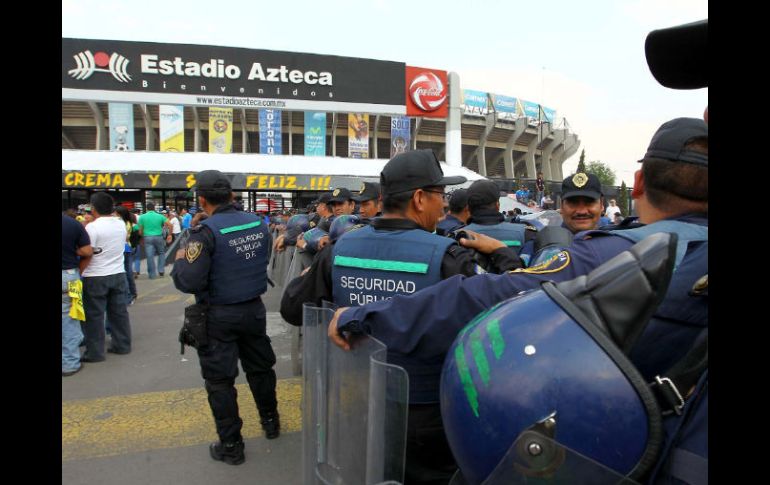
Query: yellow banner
{"type": "Point", "coordinates": [220, 130]}
{"type": "Point", "coordinates": [358, 135]}
{"type": "Point", "coordinates": [171, 128]}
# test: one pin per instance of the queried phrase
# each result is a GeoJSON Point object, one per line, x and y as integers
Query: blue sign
{"type": "Point", "coordinates": [315, 134]}
{"type": "Point", "coordinates": [549, 115]}
{"type": "Point", "coordinates": [474, 102]}
{"type": "Point", "coordinates": [270, 131]}
{"type": "Point", "coordinates": [506, 106]}
{"type": "Point", "coordinates": [121, 126]}
{"type": "Point", "coordinates": [400, 134]}
{"type": "Point", "coordinates": [531, 110]}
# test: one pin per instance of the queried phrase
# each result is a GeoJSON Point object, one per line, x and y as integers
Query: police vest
{"type": "Point", "coordinates": [370, 265]}
{"type": "Point", "coordinates": [512, 235]}
{"type": "Point", "coordinates": [239, 261]}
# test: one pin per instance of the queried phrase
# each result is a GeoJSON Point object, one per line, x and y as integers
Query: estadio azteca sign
{"type": "Point", "coordinates": [144, 72]}
{"type": "Point", "coordinates": [427, 92]}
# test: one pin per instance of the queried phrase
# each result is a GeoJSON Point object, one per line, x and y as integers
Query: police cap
{"type": "Point", "coordinates": [670, 140]}
{"type": "Point", "coordinates": [323, 198]}
{"type": "Point", "coordinates": [482, 192]}
{"type": "Point", "coordinates": [458, 200]}
{"type": "Point", "coordinates": [368, 191]}
{"type": "Point", "coordinates": [677, 56]}
{"type": "Point", "coordinates": [212, 180]}
{"type": "Point", "coordinates": [412, 170]}
{"type": "Point", "coordinates": [340, 195]}
{"type": "Point", "coordinates": [581, 185]}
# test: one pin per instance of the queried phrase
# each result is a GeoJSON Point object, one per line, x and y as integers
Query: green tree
{"type": "Point", "coordinates": [623, 200]}
{"type": "Point", "coordinates": [581, 168]}
{"type": "Point", "coordinates": [605, 174]}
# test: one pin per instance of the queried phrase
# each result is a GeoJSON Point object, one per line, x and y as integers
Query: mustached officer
{"type": "Point", "coordinates": [224, 263]}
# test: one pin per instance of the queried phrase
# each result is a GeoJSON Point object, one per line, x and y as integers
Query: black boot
{"type": "Point", "coordinates": [230, 453]}
{"type": "Point", "coordinates": [271, 423]}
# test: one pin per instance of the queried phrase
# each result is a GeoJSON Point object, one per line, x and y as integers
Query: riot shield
{"type": "Point", "coordinates": [354, 409]}
{"type": "Point", "coordinates": [299, 262]}
{"type": "Point", "coordinates": [537, 459]}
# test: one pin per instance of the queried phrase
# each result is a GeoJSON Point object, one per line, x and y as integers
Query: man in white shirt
{"type": "Point", "coordinates": [611, 210]}
{"type": "Point", "coordinates": [104, 282]}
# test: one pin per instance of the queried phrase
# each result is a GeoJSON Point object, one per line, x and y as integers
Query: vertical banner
{"type": "Point", "coordinates": [171, 128]}
{"type": "Point", "coordinates": [358, 135]}
{"type": "Point", "coordinates": [400, 134]}
{"type": "Point", "coordinates": [220, 130]}
{"type": "Point", "coordinates": [270, 131]}
{"type": "Point", "coordinates": [315, 134]}
{"type": "Point", "coordinates": [121, 127]}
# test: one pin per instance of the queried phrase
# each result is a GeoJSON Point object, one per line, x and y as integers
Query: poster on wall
{"type": "Point", "coordinates": [121, 126]}
{"type": "Point", "coordinates": [315, 133]}
{"type": "Point", "coordinates": [400, 134]}
{"type": "Point", "coordinates": [358, 135]}
{"type": "Point", "coordinates": [270, 131]}
{"type": "Point", "coordinates": [171, 128]}
{"type": "Point", "coordinates": [220, 130]}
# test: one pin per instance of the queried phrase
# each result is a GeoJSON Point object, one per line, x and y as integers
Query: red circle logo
{"type": "Point", "coordinates": [427, 91]}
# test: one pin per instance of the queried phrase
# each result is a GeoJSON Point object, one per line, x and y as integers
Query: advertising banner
{"type": "Point", "coordinates": [270, 131]}
{"type": "Point", "coordinates": [474, 102]}
{"type": "Point", "coordinates": [548, 115]}
{"type": "Point", "coordinates": [121, 126]}
{"type": "Point", "coordinates": [427, 92]}
{"type": "Point", "coordinates": [358, 135]}
{"type": "Point", "coordinates": [171, 128]}
{"type": "Point", "coordinates": [220, 130]}
{"type": "Point", "coordinates": [400, 135]}
{"type": "Point", "coordinates": [507, 108]}
{"type": "Point", "coordinates": [315, 134]}
{"type": "Point", "coordinates": [531, 111]}
{"type": "Point", "coordinates": [197, 75]}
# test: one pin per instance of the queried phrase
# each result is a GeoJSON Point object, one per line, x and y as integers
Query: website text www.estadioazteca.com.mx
{"type": "Point", "coordinates": [229, 101]}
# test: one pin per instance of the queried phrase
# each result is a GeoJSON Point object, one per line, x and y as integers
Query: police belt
{"type": "Point", "coordinates": [671, 390]}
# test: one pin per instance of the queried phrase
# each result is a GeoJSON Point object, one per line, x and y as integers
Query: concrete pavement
{"type": "Point", "coordinates": [143, 418]}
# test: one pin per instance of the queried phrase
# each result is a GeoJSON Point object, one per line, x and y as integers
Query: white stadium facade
{"type": "Point", "coordinates": [139, 119]}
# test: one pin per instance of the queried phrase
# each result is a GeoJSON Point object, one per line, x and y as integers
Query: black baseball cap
{"type": "Point", "coordinates": [412, 170]}
{"type": "Point", "coordinates": [458, 199]}
{"type": "Point", "coordinates": [581, 185]}
{"type": "Point", "coordinates": [482, 192]}
{"type": "Point", "coordinates": [323, 198]}
{"type": "Point", "coordinates": [212, 180]}
{"type": "Point", "coordinates": [368, 191]}
{"type": "Point", "coordinates": [340, 195]}
{"type": "Point", "coordinates": [677, 56]}
{"type": "Point", "coordinates": [668, 143]}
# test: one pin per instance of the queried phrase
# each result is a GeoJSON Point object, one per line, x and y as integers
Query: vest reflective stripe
{"type": "Point", "coordinates": [512, 235]}
{"type": "Point", "coordinates": [228, 230]}
{"type": "Point", "coordinates": [239, 261]}
{"type": "Point", "coordinates": [381, 264]}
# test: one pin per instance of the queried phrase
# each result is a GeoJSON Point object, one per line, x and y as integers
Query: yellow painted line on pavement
{"type": "Point", "coordinates": [162, 300]}
{"type": "Point", "coordinates": [118, 425]}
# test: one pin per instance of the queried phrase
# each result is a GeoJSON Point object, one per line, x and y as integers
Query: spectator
{"type": "Point", "coordinates": [522, 195]}
{"type": "Point", "coordinates": [128, 221]}
{"type": "Point", "coordinates": [176, 226]}
{"type": "Point", "coordinates": [612, 209]}
{"type": "Point", "coordinates": [74, 243]}
{"type": "Point", "coordinates": [151, 225]}
{"type": "Point", "coordinates": [104, 282]}
{"type": "Point", "coordinates": [539, 189]}
{"type": "Point", "coordinates": [136, 253]}
{"type": "Point", "coordinates": [186, 218]}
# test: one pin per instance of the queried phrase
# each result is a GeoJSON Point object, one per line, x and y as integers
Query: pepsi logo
{"type": "Point", "coordinates": [427, 91]}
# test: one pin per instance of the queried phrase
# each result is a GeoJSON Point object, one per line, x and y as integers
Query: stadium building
{"type": "Point", "coordinates": [139, 119]}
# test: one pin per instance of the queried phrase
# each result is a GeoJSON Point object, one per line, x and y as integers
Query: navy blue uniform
{"type": "Point", "coordinates": [426, 323]}
{"type": "Point", "coordinates": [492, 224]}
{"type": "Point", "coordinates": [448, 224]}
{"type": "Point", "coordinates": [225, 266]}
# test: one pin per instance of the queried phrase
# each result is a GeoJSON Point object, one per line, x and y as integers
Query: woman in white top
{"type": "Point", "coordinates": [176, 227]}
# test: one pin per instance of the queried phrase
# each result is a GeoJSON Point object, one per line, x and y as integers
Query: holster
{"type": "Point", "coordinates": [193, 332]}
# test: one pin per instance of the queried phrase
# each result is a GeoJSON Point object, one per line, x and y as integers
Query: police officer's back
{"type": "Point", "coordinates": [484, 205]}
{"type": "Point", "coordinates": [224, 263]}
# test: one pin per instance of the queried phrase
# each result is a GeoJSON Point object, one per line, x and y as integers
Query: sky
{"type": "Point", "coordinates": [583, 59]}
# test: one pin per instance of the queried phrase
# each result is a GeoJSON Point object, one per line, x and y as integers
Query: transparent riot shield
{"type": "Point", "coordinates": [537, 459]}
{"type": "Point", "coordinates": [354, 409]}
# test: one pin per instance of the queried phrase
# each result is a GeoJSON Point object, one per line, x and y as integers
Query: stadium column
{"type": "Point", "coordinates": [481, 152]}
{"type": "Point", "coordinates": [102, 135]}
{"type": "Point", "coordinates": [149, 132]}
{"type": "Point", "coordinates": [197, 128]}
{"type": "Point", "coordinates": [335, 116]}
{"type": "Point", "coordinates": [244, 132]}
{"type": "Point", "coordinates": [453, 128]}
{"type": "Point", "coordinates": [519, 128]}
{"type": "Point", "coordinates": [571, 145]}
{"type": "Point", "coordinates": [530, 159]}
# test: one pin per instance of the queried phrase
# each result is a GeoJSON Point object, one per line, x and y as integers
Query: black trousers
{"type": "Point", "coordinates": [237, 332]}
{"type": "Point", "coordinates": [429, 459]}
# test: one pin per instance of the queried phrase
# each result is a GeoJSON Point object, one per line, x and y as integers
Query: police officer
{"type": "Point", "coordinates": [370, 201]}
{"type": "Point", "coordinates": [581, 208]}
{"type": "Point", "coordinates": [671, 194]}
{"type": "Point", "coordinates": [484, 205]}
{"type": "Point", "coordinates": [341, 202]}
{"type": "Point", "coordinates": [224, 264]}
{"type": "Point", "coordinates": [398, 254]}
{"type": "Point", "coordinates": [458, 213]}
